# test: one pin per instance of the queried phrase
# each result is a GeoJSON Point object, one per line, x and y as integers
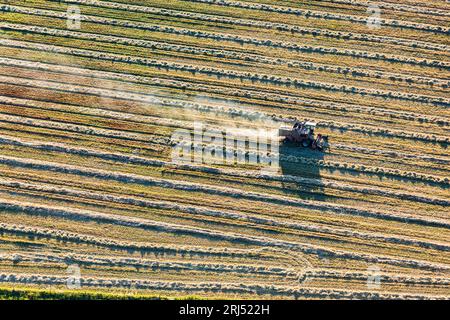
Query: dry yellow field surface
{"type": "Point", "coordinates": [92, 199]}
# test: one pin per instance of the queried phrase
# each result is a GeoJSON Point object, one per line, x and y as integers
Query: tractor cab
{"type": "Point", "coordinates": [310, 126]}
{"type": "Point", "coordinates": [305, 128]}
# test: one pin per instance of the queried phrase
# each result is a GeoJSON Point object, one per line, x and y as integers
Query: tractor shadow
{"type": "Point", "coordinates": [309, 184]}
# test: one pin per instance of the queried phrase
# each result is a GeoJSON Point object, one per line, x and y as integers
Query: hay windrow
{"type": "Point", "coordinates": [134, 155]}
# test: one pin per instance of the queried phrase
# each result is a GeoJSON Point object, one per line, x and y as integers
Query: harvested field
{"type": "Point", "coordinates": [106, 190]}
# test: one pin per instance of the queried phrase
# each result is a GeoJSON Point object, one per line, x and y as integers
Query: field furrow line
{"type": "Point", "coordinates": [217, 190]}
{"type": "Point", "coordinates": [193, 251]}
{"type": "Point", "coordinates": [174, 149]}
{"type": "Point", "coordinates": [126, 158]}
{"type": "Point", "coordinates": [146, 224]}
{"type": "Point", "coordinates": [234, 38]}
{"type": "Point", "coordinates": [249, 76]}
{"type": "Point", "coordinates": [261, 24]}
{"type": "Point", "coordinates": [141, 97]}
{"type": "Point", "coordinates": [222, 53]}
{"type": "Point", "coordinates": [298, 275]}
{"type": "Point", "coordinates": [202, 147]}
{"type": "Point", "coordinates": [394, 6]}
{"type": "Point", "coordinates": [384, 132]}
{"type": "Point", "coordinates": [313, 14]}
{"type": "Point", "coordinates": [112, 261]}
{"type": "Point", "coordinates": [251, 174]}
{"type": "Point", "coordinates": [129, 78]}
{"type": "Point", "coordinates": [144, 119]}
{"type": "Point", "coordinates": [298, 157]}
{"type": "Point", "coordinates": [403, 279]}
{"type": "Point", "coordinates": [137, 118]}
{"type": "Point", "coordinates": [90, 130]}
{"type": "Point", "coordinates": [348, 166]}
{"type": "Point", "coordinates": [392, 154]}
{"type": "Point", "coordinates": [295, 291]}
{"type": "Point", "coordinates": [114, 244]}
{"type": "Point", "coordinates": [231, 215]}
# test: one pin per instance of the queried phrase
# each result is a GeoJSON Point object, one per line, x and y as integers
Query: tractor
{"type": "Point", "coordinates": [302, 133]}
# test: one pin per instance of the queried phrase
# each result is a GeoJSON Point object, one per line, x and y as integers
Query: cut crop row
{"type": "Point", "coordinates": [355, 72]}
{"type": "Point", "coordinates": [290, 100]}
{"type": "Point", "coordinates": [312, 14]}
{"type": "Point", "coordinates": [188, 125]}
{"type": "Point", "coordinates": [219, 190]}
{"type": "Point", "coordinates": [117, 94]}
{"type": "Point", "coordinates": [392, 278]}
{"type": "Point", "coordinates": [394, 7]}
{"type": "Point", "coordinates": [112, 261]}
{"type": "Point", "coordinates": [130, 246]}
{"type": "Point", "coordinates": [253, 77]}
{"type": "Point", "coordinates": [116, 134]}
{"type": "Point", "coordinates": [234, 38]}
{"type": "Point", "coordinates": [85, 215]}
{"type": "Point", "coordinates": [262, 24]}
{"type": "Point", "coordinates": [336, 165]}
{"type": "Point", "coordinates": [213, 287]}
{"type": "Point", "coordinates": [233, 216]}
{"type": "Point", "coordinates": [166, 141]}
{"type": "Point", "coordinates": [125, 158]}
